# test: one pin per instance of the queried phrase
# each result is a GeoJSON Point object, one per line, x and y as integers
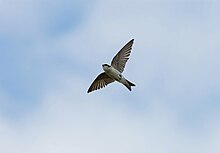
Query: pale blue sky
{"type": "Point", "coordinates": [51, 51]}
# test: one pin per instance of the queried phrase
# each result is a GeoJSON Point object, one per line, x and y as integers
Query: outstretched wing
{"type": "Point", "coordinates": [101, 81]}
{"type": "Point", "coordinates": [120, 59]}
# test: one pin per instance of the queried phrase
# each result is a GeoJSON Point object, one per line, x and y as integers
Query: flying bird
{"type": "Point", "coordinates": [114, 71]}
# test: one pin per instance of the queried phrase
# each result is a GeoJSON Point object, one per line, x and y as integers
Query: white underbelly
{"type": "Point", "coordinates": [114, 74]}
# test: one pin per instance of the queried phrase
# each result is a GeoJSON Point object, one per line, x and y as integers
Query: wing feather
{"type": "Point", "coordinates": [101, 81]}
{"type": "Point", "coordinates": [122, 56]}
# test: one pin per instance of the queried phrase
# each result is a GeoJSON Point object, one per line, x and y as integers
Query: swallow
{"type": "Point", "coordinates": [114, 71]}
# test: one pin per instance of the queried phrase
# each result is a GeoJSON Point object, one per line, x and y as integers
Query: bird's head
{"type": "Point", "coordinates": [105, 66]}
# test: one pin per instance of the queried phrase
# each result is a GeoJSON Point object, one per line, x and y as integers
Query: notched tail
{"type": "Point", "coordinates": [128, 84]}
{"type": "Point", "coordinates": [131, 84]}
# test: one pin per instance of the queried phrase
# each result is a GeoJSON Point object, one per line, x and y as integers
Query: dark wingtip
{"type": "Point", "coordinates": [89, 91]}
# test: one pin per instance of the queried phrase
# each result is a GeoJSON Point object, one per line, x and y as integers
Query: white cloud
{"type": "Point", "coordinates": [67, 122]}
{"type": "Point", "coordinates": [179, 69]}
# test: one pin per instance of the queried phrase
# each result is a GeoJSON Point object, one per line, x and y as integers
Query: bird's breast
{"type": "Point", "coordinates": [114, 74]}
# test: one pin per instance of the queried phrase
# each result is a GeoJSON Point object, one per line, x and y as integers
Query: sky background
{"type": "Point", "coordinates": [51, 51]}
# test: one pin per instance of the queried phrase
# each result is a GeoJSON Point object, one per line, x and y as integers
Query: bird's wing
{"type": "Point", "coordinates": [101, 81]}
{"type": "Point", "coordinates": [120, 59]}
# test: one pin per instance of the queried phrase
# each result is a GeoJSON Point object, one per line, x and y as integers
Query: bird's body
{"type": "Point", "coordinates": [114, 72]}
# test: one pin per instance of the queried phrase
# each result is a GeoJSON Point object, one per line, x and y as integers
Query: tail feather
{"type": "Point", "coordinates": [131, 84]}
{"type": "Point", "coordinates": [128, 84]}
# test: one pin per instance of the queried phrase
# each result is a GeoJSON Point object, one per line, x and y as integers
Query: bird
{"type": "Point", "coordinates": [114, 71]}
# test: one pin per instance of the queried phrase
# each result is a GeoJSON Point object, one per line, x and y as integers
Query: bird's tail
{"type": "Point", "coordinates": [128, 84]}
